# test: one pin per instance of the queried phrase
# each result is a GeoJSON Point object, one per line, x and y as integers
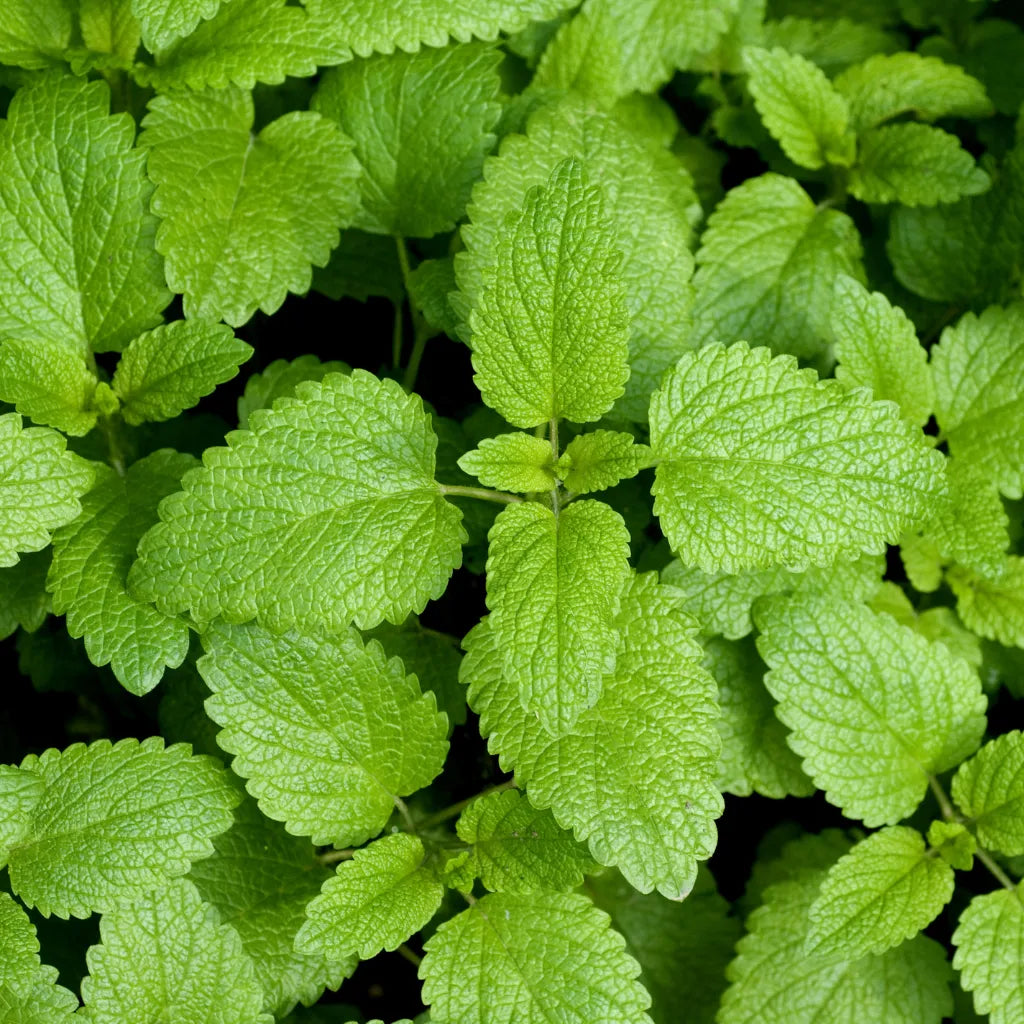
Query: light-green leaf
{"type": "Point", "coordinates": [34, 35]}
{"type": "Point", "coordinates": [279, 380]}
{"type": "Point", "coordinates": [20, 792]}
{"type": "Point", "coordinates": [538, 956]}
{"type": "Point", "coordinates": [24, 600]}
{"type": "Point", "coordinates": [992, 607]}
{"type": "Point", "coordinates": [513, 462]}
{"type": "Point", "coordinates": [762, 464]}
{"type": "Point", "coordinates": [874, 706]}
{"type": "Point", "coordinates": [989, 788]}
{"type": "Point", "coordinates": [953, 843]}
{"type": "Point", "coordinates": [328, 761]}
{"type": "Point", "coordinates": [244, 216]}
{"type": "Point", "coordinates": [325, 513]}
{"type": "Point", "coordinates": [110, 27]}
{"type": "Point", "coordinates": [600, 459]}
{"type": "Point", "coordinates": [164, 21]}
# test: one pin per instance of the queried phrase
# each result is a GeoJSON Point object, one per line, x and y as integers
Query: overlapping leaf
{"type": "Point", "coordinates": [34, 35]}
{"type": "Point", "coordinates": [24, 599]}
{"type": "Point", "coordinates": [164, 21]}
{"type": "Point", "coordinates": [600, 459]}
{"type": "Point", "coordinates": [989, 788]}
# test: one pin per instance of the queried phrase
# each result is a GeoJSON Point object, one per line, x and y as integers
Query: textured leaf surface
{"type": "Point", "coordinates": [531, 957]}
{"type": "Point", "coordinates": [34, 35]}
{"type": "Point", "coordinates": [109, 27]}
{"type": "Point", "coordinates": [327, 759]}
{"type": "Point", "coordinates": [767, 264]}
{"type": "Point", "coordinates": [421, 123]}
{"type": "Point", "coordinates": [762, 464]}
{"type": "Point", "coordinates": [989, 788]}
{"type": "Point", "coordinates": [553, 585]}
{"type": "Point", "coordinates": [79, 270]}
{"type": "Point", "coordinates": [953, 843]}
{"type": "Point", "coordinates": [874, 707]}
{"type": "Point", "coordinates": [513, 462]}
{"type": "Point", "coordinates": [375, 901]}
{"type": "Point", "coordinates": [993, 608]}
{"type": "Point", "coordinates": [280, 379]}
{"type": "Point", "coordinates": [20, 792]}
{"type": "Point", "coordinates": [243, 215]}
{"type": "Point", "coordinates": [166, 956]}
{"type": "Point", "coordinates": [164, 21]}
{"type": "Point", "coordinates": [635, 777]}
{"type": "Point", "coordinates": [832, 43]}
{"type": "Point", "coordinates": [115, 822]}
{"type": "Point", "coordinates": [600, 459]}
{"type": "Point", "coordinates": [24, 600]}
{"type": "Point", "coordinates": [325, 513]}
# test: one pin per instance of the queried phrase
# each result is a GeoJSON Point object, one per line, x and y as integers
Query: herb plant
{"type": "Point", "coordinates": [689, 462]}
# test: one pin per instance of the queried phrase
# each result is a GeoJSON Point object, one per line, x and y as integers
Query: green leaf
{"type": "Point", "coordinates": [635, 777]}
{"type": "Point", "coordinates": [874, 707]}
{"type": "Point", "coordinates": [109, 27]}
{"type": "Point", "coordinates": [551, 329]}
{"type": "Point", "coordinates": [34, 35]}
{"type": "Point", "coordinates": [513, 462]}
{"type": "Point", "coordinates": [166, 956]}
{"type": "Point", "coordinates": [993, 52]}
{"type": "Point", "coordinates": [768, 261]}
{"type": "Point", "coordinates": [88, 577]}
{"type": "Point", "coordinates": [430, 284]}
{"type": "Point", "coordinates": [600, 459]}
{"type": "Point", "coordinates": [531, 957]}
{"type": "Point", "coordinates": [244, 216]}
{"type": "Point", "coordinates": [884, 891]}
{"type": "Point", "coordinates": [24, 600]}
{"type": "Point", "coordinates": [328, 761]}
{"type": "Point", "coordinates": [325, 513]}
{"type": "Point", "coordinates": [932, 623]}
{"type": "Point", "coordinates": [80, 272]}
{"type": "Point", "coordinates": [422, 124]}
{"type": "Point", "coordinates": [363, 265]}
{"type": "Point", "coordinates": [20, 792]}
{"type": "Point", "coordinates": [888, 85]}
{"type": "Point", "coordinates": [553, 585]}
{"type": "Point", "coordinates": [955, 845]}
{"type": "Point", "coordinates": [922, 562]}
{"type": "Point", "coordinates": [832, 43]}
{"type": "Point", "coordinates": [115, 822]}
{"type": "Point", "coordinates": [279, 380]}
{"type": "Point", "coordinates": [375, 901]}
{"type": "Point", "coordinates": [799, 107]}
{"type": "Point", "coordinates": [989, 789]}
{"type": "Point", "coordinates": [164, 21]}
{"type": "Point", "coordinates": [40, 487]}
{"type": "Point", "coordinates": [784, 859]}
{"type": "Point", "coordinates": [518, 849]}
{"type": "Point", "coordinates": [260, 880]}
{"type": "Point", "coordinates": [167, 370]}
{"type": "Point", "coordinates": [649, 204]}
{"type": "Point", "coordinates": [992, 608]}
{"type": "Point", "coordinates": [978, 367]}
{"type": "Point", "coordinates": [762, 464]}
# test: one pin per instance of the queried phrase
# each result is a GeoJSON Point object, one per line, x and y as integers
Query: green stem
{"type": "Point", "coordinates": [403, 810]}
{"type": "Point", "coordinates": [997, 872]}
{"type": "Point", "coordinates": [947, 809]}
{"type": "Point", "coordinates": [422, 331]}
{"type": "Point", "coordinates": [479, 492]}
{"type": "Point", "coordinates": [404, 950]}
{"type": "Point", "coordinates": [458, 808]}
{"type": "Point", "coordinates": [419, 343]}
{"type": "Point", "coordinates": [114, 454]}
{"type": "Point", "coordinates": [333, 856]}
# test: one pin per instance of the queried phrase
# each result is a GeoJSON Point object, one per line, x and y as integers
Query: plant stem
{"type": "Point", "coordinates": [948, 810]}
{"type": "Point", "coordinates": [457, 808]}
{"type": "Point", "coordinates": [422, 331]}
{"type": "Point", "coordinates": [333, 856]}
{"type": "Point", "coordinates": [403, 810]}
{"type": "Point", "coordinates": [997, 872]}
{"type": "Point", "coordinates": [479, 492]}
{"type": "Point", "coordinates": [404, 950]}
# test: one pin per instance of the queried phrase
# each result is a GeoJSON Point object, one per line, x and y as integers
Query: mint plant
{"type": "Point", "coordinates": [654, 471]}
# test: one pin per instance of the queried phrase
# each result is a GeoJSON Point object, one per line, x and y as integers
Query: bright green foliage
{"type": "Point", "coordinates": [874, 707]}
{"type": "Point", "coordinates": [39, 489]}
{"type": "Point", "coordinates": [532, 957]}
{"type": "Point", "coordinates": [885, 890]}
{"type": "Point", "coordinates": [799, 107]}
{"type": "Point", "coordinates": [20, 791]}
{"type": "Point", "coordinates": [774, 981]}
{"type": "Point", "coordinates": [553, 585]}
{"type": "Point", "coordinates": [955, 845]}
{"type": "Point", "coordinates": [551, 327]}
{"type": "Point", "coordinates": [635, 777]}
{"type": "Point", "coordinates": [767, 263]}
{"type": "Point", "coordinates": [168, 369]}
{"type": "Point", "coordinates": [979, 393]}
{"type": "Point", "coordinates": [877, 348]}
{"type": "Point", "coordinates": [260, 879]}
{"type": "Point", "coordinates": [109, 27]}
{"type": "Point", "coordinates": [599, 460]}
{"type": "Point", "coordinates": [334, 772]}
{"type": "Point", "coordinates": [164, 21]}
{"type": "Point", "coordinates": [513, 462]}
{"type": "Point", "coordinates": [167, 957]}
{"type": "Point", "coordinates": [421, 123]}
{"type": "Point", "coordinates": [992, 608]}
{"type": "Point", "coordinates": [832, 43]}
{"type": "Point", "coordinates": [888, 85]}
{"type": "Point", "coordinates": [244, 216]}
{"type": "Point", "coordinates": [516, 848]}
{"type": "Point", "coordinates": [375, 901]}
{"type": "Point", "coordinates": [88, 577]}
{"type": "Point", "coordinates": [326, 512]}
{"type": "Point", "coordinates": [989, 789]}
{"type": "Point", "coordinates": [115, 822]}
{"type": "Point", "coordinates": [586, 56]}
{"type": "Point", "coordinates": [34, 35]}
{"type": "Point", "coordinates": [827, 474]}
{"type": "Point", "coordinates": [937, 623]}
{"type": "Point", "coordinates": [649, 203]}
{"type": "Point", "coordinates": [279, 380]}
{"type": "Point", "coordinates": [81, 273]}
{"type": "Point", "coordinates": [24, 600]}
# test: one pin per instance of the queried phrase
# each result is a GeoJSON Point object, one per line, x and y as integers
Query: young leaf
{"type": "Point", "coordinates": [244, 216]}
{"type": "Point", "coordinates": [993, 608]}
{"type": "Point", "coordinates": [40, 488]}
{"type": "Point", "coordinates": [600, 459]}
{"type": "Point", "coordinates": [168, 369]}
{"type": "Point", "coordinates": [375, 901]}
{"type": "Point", "coordinates": [24, 600]}
{"type": "Point", "coordinates": [762, 464]}
{"type": "Point", "coordinates": [279, 380]}
{"type": "Point", "coordinates": [325, 513]}
{"type": "Point", "coordinates": [553, 584]}
{"type": "Point", "coordinates": [328, 761]}
{"type": "Point", "coordinates": [874, 707]}
{"type": "Point", "coordinates": [531, 957]}
{"type": "Point", "coordinates": [164, 21]}
{"type": "Point", "coordinates": [34, 35]}
{"type": "Point", "coordinates": [635, 777]}
{"type": "Point", "coordinates": [954, 844]}
{"type": "Point", "coordinates": [551, 328]}
{"type": "Point", "coordinates": [88, 577]}
{"type": "Point", "coordinates": [800, 107]}
{"type": "Point", "coordinates": [115, 822]}
{"type": "Point", "coordinates": [989, 788]}
{"type": "Point", "coordinates": [421, 123]}
{"type": "Point", "coordinates": [109, 27]}
{"type": "Point", "coordinates": [516, 848]}
{"type": "Point", "coordinates": [166, 956]}
{"type": "Point", "coordinates": [512, 462]}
